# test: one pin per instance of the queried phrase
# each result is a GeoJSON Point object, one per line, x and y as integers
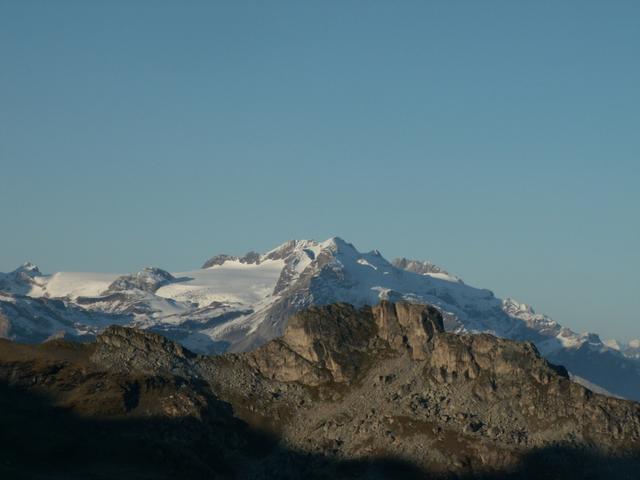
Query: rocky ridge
{"type": "Point", "coordinates": [340, 390]}
{"type": "Point", "coordinates": [421, 267]}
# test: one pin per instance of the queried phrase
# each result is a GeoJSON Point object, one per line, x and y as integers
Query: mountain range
{"type": "Point", "coordinates": [237, 304]}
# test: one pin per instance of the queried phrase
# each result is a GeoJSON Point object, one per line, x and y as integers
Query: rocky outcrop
{"type": "Point", "coordinates": [332, 342]}
{"type": "Point", "coordinates": [420, 267]}
{"type": "Point", "coordinates": [408, 325]}
{"type": "Point", "coordinates": [126, 349]}
{"type": "Point", "coordinates": [396, 360]}
{"type": "Point", "coordinates": [467, 356]}
{"type": "Point", "coordinates": [336, 341]}
{"type": "Point", "coordinates": [250, 258]}
{"type": "Point", "coordinates": [218, 260]}
{"type": "Point", "coordinates": [148, 279]}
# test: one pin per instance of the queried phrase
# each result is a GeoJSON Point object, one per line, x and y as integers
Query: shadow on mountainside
{"type": "Point", "coordinates": [41, 441]}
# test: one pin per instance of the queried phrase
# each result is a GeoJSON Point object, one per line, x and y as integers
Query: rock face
{"type": "Point", "coordinates": [408, 325]}
{"type": "Point", "coordinates": [381, 392]}
{"type": "Point", "coordinates": [334, 343]}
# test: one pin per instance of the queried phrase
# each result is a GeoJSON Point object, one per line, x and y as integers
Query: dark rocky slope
{"type": "Point", "coordinates": [380, 392]}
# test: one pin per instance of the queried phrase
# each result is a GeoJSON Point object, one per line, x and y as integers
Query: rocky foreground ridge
{"type": "Point", "coordinates": [377, 392]}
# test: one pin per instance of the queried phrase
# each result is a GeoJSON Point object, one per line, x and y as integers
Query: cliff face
{"type": "Point", "coordinates": [378, 392]}
{"type": "Point", "coordinates": [337, 342]}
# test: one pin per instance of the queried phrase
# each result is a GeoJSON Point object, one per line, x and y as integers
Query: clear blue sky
{"type": "Point", "coordinates": [499, 139]}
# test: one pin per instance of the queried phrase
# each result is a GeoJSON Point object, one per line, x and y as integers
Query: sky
{"type": "Point", "coordinates": [498, 139]}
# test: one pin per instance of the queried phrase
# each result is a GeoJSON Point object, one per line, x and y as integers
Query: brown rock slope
{"type": "Point", "coordinates": [381, 392]}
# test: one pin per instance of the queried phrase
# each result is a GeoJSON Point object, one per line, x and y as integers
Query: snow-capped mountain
{"type": "Point", "coordinates": [238, 303]}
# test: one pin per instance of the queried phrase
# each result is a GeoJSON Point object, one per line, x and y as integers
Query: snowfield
{"type": "Point", "coordinates": [73, 285]}
{"type": "Point", "coordinates": [233, 282]}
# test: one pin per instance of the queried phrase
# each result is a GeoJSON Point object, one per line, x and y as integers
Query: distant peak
{"type": "Point", "coordinates": [287, 249]}
{"type": "Point", "coordinates": [513, 306]}
{"type": "Point", "coordinates": [148, 279]}
{"type": "Point", "coordinates": [590, 338]}
{"type": "Point", "coordinates": [28, 268]}
{"type": "Point", "coordinates": [338, 244]}
{"type": "Point", "coordinates": [338, 241]}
